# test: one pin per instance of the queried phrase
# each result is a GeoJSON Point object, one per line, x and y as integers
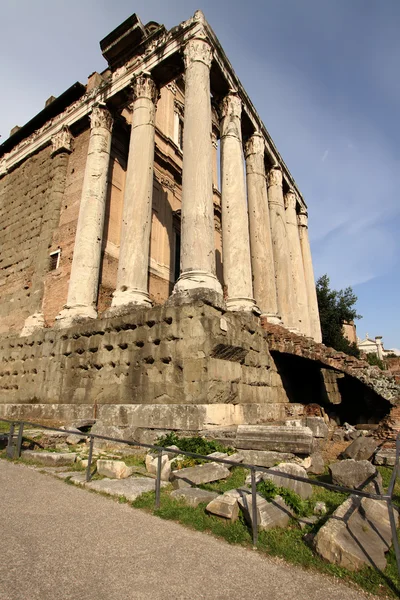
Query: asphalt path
{"type": "Point", "coordinates": [60, 542]}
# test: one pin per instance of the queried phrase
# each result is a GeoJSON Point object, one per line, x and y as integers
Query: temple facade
{"type": "Point", "coordinates": [155, 182]}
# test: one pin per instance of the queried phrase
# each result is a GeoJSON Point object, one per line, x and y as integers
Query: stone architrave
{"type": "Point", "coordinates": [313, 312]}
{"type": "Point", "coordinates": [262, 260]}
{"type": "Point", "coordinates": [197, 211]}
{"type": "Point", "coordinates": [85, 270]}
{"type": "Point", "coordinates": [61, 149]}
{"type": "Point", "coordinates": [300, 308]}
{"type": "Point", "coordinates": [280, 248]}
{"type": "Point", "coordinates": [133, 265]}
{"type": "Point", "coordinates": [235, 220]}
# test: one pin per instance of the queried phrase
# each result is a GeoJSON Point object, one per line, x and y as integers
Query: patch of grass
{"type": "Point", "coordinates": [4, 427]}
{"type": "Point", "coordinates": [284, 543]}
{"type": "Point", "coordinates": [386, 473]}
{"type": "Point", "coordinates": [134, 461]}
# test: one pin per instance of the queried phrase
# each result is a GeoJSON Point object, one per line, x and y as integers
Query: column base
{"type": "Point", "coordinates": [33, 323]}
{"type": "Point", "coordinates": [272, 318]}
{"type": "Point", "coordinates": [70, 315]}
{"type": "Point", "coordinates": [191, 280]}
{"type": "Point", "coordinates": [242, 305]}
{"type": "Point", "coordinates": [130, 296]}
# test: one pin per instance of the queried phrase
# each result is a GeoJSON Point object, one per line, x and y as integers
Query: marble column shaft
{"type": "Point", "coordinates": [61, 149]}
{"type": "Point", "coordinates": [262, 260]}
{"type": "Point", "coordinates": [235, 220]}
{"type": "Point", "coordinates": [133, 266]}
{"type": "Point", "coordinates": [313, 312]}
{"type": "Point", "coordinates": [280, 248]}
{"type": "Point", "coordinates": [197, 210]}
{"type": "Point", "coordinates": [300, 308]}
{"type": "Point", "coordinates": [85, 270]}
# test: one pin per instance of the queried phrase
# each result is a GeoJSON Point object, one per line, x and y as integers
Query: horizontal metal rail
{"type": "Point", "coordinates": [159, 450]}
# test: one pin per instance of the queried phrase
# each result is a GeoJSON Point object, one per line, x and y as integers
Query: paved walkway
{"type": "Point", "coordinates": [60, 542]}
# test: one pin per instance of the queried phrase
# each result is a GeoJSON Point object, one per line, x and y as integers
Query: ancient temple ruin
{"type": "Point", "coordinates": [134, 286]}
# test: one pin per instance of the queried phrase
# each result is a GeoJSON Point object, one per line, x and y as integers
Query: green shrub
{"type": "Point", "coordinates": [269, 490]}
{"type": "Point", "coordinates": [195, 444]}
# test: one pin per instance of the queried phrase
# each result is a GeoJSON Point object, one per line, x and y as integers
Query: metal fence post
{"type": "Point", "coordinates": [19, 440]}
{"type": "Point", "coordinates": [254, 519]}
{"type": "Point", "coordinates": [10, 445]}
{"type": "Point", "coordinates": [89, 464]}
{"type": "Point", "coordinates": [158, 478]}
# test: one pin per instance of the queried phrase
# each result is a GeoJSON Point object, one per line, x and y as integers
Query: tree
{"type": "Point", "coordinates": [335, 308]}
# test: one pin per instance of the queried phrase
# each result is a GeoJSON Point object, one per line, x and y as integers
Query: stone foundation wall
{"type": "Point", "coordinates": [192, 366]}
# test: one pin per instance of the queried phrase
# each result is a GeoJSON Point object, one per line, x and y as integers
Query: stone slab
{"type": "Point", "coordinates": [74, 477]}
{"type": "Point", "coordinates": [269, 514]}
{"type": "Point", "coordinates": [193, 496]}
{"type": "Point", "coordinates": [357, 534]}
{"type": "Point", "coordinates": [130, 488]}
{"type": "Point", "coordinates": [304, 490]}
{"type": "Point", "coordinates": [266, 458]}
{"type": "Point", "coordinates": [385, 457]}
{"type": "Point", "coordinates": [225, 506]}
{"type": "Point", "coordinates": [357, 474]}
{"type": "Point", "coordinates": [296, 440]}
{"type": "Point", "coordinates": [50, 459]}
{"type": "Point", "coordinates": [201, 473]}
{"type": "Point", "coordinates": [361, 448]}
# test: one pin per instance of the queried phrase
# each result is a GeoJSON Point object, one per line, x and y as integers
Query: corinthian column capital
{"type": "Point", "coordinates": [275, 176]}
{"type": "Point", "coordinates": [101, 117]}
{"type": "Point", "coordinates": [61, 141]}
{"type": "Point", "coordinates": [302, 217]}
{"type": "Point", "coordinates": [197, 50]}
{"type": "Point", "coordinates": [231, 106]}
{"type": "Point", "coordinates": [143, 86]}
{"type": "Point", "coordinates": [255, 145]}
{"type": "Point", "coordinates": [290, 200]}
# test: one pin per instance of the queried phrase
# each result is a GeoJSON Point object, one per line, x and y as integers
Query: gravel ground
{"type": "Point", "coordinates": [60, 542]}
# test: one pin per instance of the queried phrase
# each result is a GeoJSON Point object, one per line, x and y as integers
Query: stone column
{"type": "Point", "coordinates": [262, 260]}
{"type": "Point", "coordinates": [280, 248]}
{"type": "Point", "coordinates": [85, 270]}
{"type": "Point", "coordinates": [235, 220]}
{"type": "Point", "coordinates": [197, 216]}
{"type": "Point", "coordinates": [315, 326]}
{"type": "Point", "coordinates": [133, 266]}
{"type": "Point", "coordinates": [61, 149]}
{"type": "Point", "coordinates": [300, 308]}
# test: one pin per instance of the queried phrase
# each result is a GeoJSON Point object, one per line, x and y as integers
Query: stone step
{"type": "Point", "coordinates": [295, 440]}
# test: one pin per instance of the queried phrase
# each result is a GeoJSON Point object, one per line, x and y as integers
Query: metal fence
{"type": "Point", "coordinates": [14, 447]}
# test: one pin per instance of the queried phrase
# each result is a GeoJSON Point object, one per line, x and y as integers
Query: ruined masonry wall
{"type": "Point", "coordinates": [187, 358]}
{"type": "Point", "coordinates": [23, 201]}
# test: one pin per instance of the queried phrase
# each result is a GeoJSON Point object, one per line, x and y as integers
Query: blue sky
{"type": "Point", "coordinates": [323, 75]}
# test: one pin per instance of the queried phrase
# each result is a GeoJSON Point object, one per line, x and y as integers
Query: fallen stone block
{"type": "Point", "coordinates": [113, 469]}
{"type": "Point", "coordinates": [130, 488]}
{"type": "Point", "coordinates": [193, 496]}
{"type": "Point", "coordinates": [269, 514]}
{"type": "Point", "coordinates": [357, 474]}
{"type": "Point", "coordinates": [81, 424]}
{"type": "Point", "coordinates": [73, 476]}
{"type": "Point", "coordinates": [385, 457]}
{"type": "Point", "coordinates": [296, 440]}
{"type": "Point", "coordinates": [152, 465]}
{"type": "Point", "coordinates": [50, 459]}
{"type": "Point", "coordinates": [218, 455]}
{"type": "Point", "coordinates": [357, 534]}
{"type": "Point", "coordinates": [226, 505]}
{"type": "Point", "coordinates": [304, 490]}
{"type": "Point", "coordinates": [317, 466]}
{"type": "Point", "coordinates": [317, 426]}
{"type": "Point", "coordinates": [266, 458]}
{"type": "Point", "coordinates": [361, 448]}
{"type": "Point", "coordinates": [201, 474]}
